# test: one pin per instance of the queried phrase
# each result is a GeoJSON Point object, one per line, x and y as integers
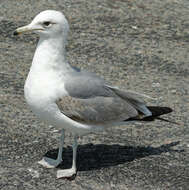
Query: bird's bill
{"type": "Point", "coordinates": [24, 29]}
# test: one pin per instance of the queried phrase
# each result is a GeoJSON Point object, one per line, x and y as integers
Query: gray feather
{"type": "Point", "coordinates": [86, 85]}
{"type": "Point", "coordinates": [91, 100]}
{"type": "Point", "coordinates": [96, 110]}
{"type": "Point", "coordinates": [133, 99]}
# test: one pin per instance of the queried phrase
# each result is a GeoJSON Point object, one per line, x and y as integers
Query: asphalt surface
{"type": "Point", "coordinates": [135, 44]}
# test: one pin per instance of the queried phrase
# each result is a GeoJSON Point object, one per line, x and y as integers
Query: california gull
{"type": "Point", "coordinates": [73, 100]}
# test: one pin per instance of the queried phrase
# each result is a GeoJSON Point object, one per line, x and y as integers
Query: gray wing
{"type": "Point", "coordinates": [90, 100]}
{"type": "Point", "coordinates": [86, 85]}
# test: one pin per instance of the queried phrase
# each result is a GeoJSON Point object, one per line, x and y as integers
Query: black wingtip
{"type": "Point", "coordinates": [15, 33]}
{"type": "Point", "coordinates": [157, 110]}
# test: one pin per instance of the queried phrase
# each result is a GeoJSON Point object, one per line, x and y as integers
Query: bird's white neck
{"type": "Point", "coordinates": [50, 54]}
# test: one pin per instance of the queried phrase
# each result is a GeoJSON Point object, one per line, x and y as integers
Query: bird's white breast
{"type": "Point", "coordinates": [42, 89]}
{"type": "Point", "coordinates": [41, 92]}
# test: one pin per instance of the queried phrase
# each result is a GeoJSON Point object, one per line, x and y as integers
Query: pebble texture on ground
{"type": "Point", "coordinates": [135, 44]}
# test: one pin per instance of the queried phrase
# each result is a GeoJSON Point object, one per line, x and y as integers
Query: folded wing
{"type": "Point", "coordinates": [90, 100]}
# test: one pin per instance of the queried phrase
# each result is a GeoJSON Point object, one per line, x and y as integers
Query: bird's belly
{"type": "Point", "coordinates": [41, 95]}
{"type": "Point", "coordinates": [42, 103]}
{"type": "Point", "coordinates": [50, 114]}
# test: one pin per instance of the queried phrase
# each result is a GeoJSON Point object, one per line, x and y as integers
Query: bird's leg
{"type": "Point", "coordinates": [67, 173]}
{"type": "Point", "coordinates": [52, 163]}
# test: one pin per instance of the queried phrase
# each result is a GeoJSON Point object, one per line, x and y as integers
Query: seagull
{"type": "Point", "coordinates": [72, 100]}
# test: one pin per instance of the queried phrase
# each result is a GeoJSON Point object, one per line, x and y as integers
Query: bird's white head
{"type": "Point", "coordinates": [48, 24]}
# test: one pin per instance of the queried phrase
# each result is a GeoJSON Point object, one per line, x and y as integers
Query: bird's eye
{"type": "Point", "coordinates": [46, 24]}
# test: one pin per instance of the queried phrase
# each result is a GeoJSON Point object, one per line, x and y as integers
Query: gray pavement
{"type": "Point", "coordinates": [138, 45]}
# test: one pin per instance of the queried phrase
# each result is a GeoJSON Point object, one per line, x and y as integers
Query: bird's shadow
{"type": "Point", "coordinates": [94, 157]}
